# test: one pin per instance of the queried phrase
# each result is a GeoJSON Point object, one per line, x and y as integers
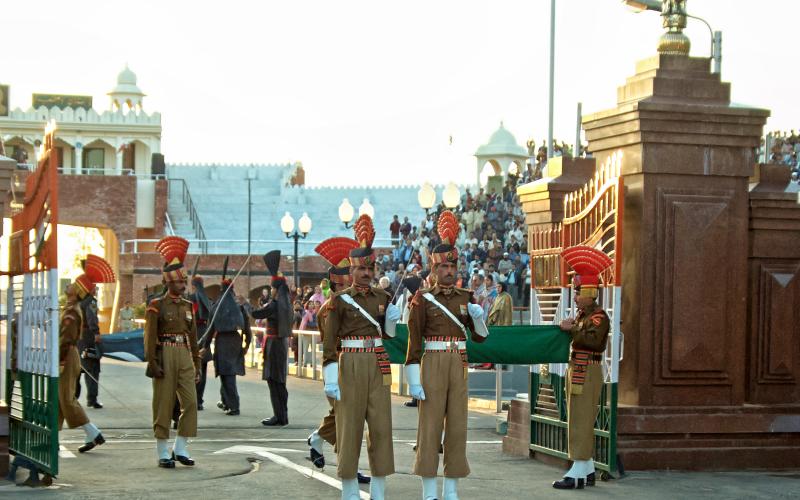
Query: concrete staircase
{"type": "Point", "coordinates": [220, 195]}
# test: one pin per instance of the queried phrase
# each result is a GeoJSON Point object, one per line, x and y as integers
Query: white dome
{"type": "Point", "coordinates": [126, 84]}
{"type": "Point", "coordinates": [126, 76]}
{"type": "Point", "coordinates": [502, 143]}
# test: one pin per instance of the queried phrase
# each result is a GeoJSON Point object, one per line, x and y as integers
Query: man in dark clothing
{"type": "Point", "coordinates": [278, 313]}
{"type": "Point", "coordinates": [394, 230]}
{"type": "Point", "coordinates": [97, 271]}
{"type": "Point", "coordinates": [405, 228]}
{"type": "Point", "coordinates": [87, 346]}
{"type": "Point", "coordinates": [228, 352]}
{"type": "Point", "coordinates": [202, 310]}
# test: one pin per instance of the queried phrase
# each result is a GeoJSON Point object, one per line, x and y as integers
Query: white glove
{"type": "Point", "coordinates": [480, 327]}
{"type": "Point", "coordinates": [414, 385]}
{"type": "Point", "coordinates": [392, 317]}
{"type": "Point", "coordinates": [475, 311]}
{"type": "Point", "coordinates": [330, 374]}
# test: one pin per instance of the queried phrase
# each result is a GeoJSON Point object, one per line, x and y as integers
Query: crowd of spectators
{"type": "Point", "coordinates": [784, 149]}
{"type": "Point", "coordinates": [492, 243]}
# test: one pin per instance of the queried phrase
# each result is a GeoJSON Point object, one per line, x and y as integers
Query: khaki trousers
{"type": "Point", "coordinates": [69, 408]}
{"type": "Point", "coordinates": [444, 407]}
{"type": "Point", "coordinates": [364, 397]}
{"type": "Point", "coordinates": [582, 413]}
{"type": "Point", "coordinates": [327, 429]}
{"type": "Point", "coordinates": [178, 379]}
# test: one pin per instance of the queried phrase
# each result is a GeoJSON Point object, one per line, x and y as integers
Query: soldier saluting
{"type": "Point", "coordinates": [589, 333]}
{"type": "Point", "coordinates": [173, 359]}
{"type": "Point", "coordinates": [441, 318]}
{"type": "Point", "coordinates": [358, 377]}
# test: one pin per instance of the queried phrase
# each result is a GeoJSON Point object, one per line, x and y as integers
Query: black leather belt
{"type": "Point", "coordinates": [176, 338]}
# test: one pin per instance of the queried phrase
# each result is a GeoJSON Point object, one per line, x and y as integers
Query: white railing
{"type": "Point", "coordinates": [99, 171]}
{"type": "Point", "coordinates": [170, 229]}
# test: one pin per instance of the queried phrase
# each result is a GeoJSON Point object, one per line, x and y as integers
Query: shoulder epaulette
{"type": "Point", "coordinates": [154, 305]}
{"type": "Point", "coordinates": [416, 299]}
{"type": "Point", "coordinates": [597, 317]}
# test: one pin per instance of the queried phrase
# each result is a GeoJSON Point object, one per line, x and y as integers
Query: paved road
{"type": "Point", "coordinates": [239, 458]}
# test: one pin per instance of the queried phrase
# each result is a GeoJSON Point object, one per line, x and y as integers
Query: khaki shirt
{"type": "Point", "coordinates": [427, 320]}
{"type": "Point", "coordinates": [69, 330]}
{"type": "Point", "coordinates": [591, 329]}
{"type": "Point", "coordinates": [169, 315]}
{"type": "Point", "coordinates": [343, 320]}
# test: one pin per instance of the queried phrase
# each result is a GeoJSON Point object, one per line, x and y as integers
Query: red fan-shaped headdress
{"type": "Point", "coordinates": [95, 270]}
{"type": "Point", "coordinates": [448, 229]}
{"type": "Point", "coordinates": [173, 249]}
{"type": "Point", "coordinates": [337, 252]}
{"type": "Point", "coordinates": [588, 263]}
{"type": "Point", "coordinates": [365, 235]}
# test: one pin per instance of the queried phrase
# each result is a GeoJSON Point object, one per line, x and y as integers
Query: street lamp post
{"type": "Point", "coordinates": [674, 41]}
{"type": "Point", "coordinates": [346, 213]}
{"type": "Point", "coordinates": [451, 196]}
{"type": "Point", "coordinates": [304, 227]}
{"type": "Point", "coordinates": [426, 196]}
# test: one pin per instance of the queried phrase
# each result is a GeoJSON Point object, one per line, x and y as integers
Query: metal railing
{"type": "Point", "coordinates": [214, 246]}
{"type": "Point", "coordinates": [170, 229]}
{"type": "Point", "coordinates": [99, 171]}
{"type": "Point", "coordinates": [186, 199]}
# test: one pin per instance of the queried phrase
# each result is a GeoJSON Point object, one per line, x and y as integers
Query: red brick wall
{"type": "Point", "coordinates": [99, 201]}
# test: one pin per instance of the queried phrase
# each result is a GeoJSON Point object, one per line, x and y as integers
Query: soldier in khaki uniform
{"type": "Point", "coordinates": [173, 358]}
{"type": "Point", "coordinates": [97, 270]}
{"type": "Point", "coordinates": [358, 377]}
{"type": "Point", "coordinates": [441, 318]}
{"type": "Point", "coordinates": [589, 332]}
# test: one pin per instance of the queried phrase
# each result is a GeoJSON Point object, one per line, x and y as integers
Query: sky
{"type": "Point", "coordinates": [369, 92]}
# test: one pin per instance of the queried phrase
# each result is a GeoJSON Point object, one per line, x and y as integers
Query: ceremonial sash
{"type": "Point", "coordinates": [380, 352]}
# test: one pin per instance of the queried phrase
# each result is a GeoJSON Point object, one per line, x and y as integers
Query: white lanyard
{"type": "Point", "coordinates": [438, 304]}
{"type": "Point", "coordinates": [347, 298]}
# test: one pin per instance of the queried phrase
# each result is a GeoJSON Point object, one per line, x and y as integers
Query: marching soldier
{"type": "Point", "coordinates": [173, 359]}
{"type": "Point", "coordinates": [87, 345]}
{"type": "Point", "coordinates": [278, 313]}
{"type": "Point", "coordinates": [228, 350]}
{"type": "Point", "coordinates": [358, 376]}
{"type": "Point", "coordinates": [589, 332]}
{"type": "Point", "coordinates": [96, 270]}
{"type": "Point", "coordinates": [336, 251]}
{"type": "Point", "coordinates": [441, 318]}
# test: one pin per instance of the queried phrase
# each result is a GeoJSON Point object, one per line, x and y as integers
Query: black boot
{"type": "Point", "coordinates": [91, 444]}
{"type": "Point", "coordinates": [568, 483]}
{"type": "Point", "coordinates": [590, 479]}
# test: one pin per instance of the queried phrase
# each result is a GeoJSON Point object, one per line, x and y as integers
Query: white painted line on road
{"type": "Point", "coordinates": [254, 449]}
{"type": "Point", "coordinates": [63, 452]}
{"type": "Point", "coordinates": [285, 462]}
{"type": "Point", "coordinates": [245, 440]}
